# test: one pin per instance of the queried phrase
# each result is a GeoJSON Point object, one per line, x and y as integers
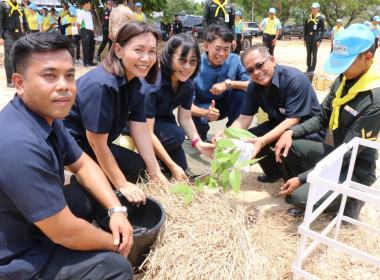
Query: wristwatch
{"type": "Point", "coordinates": [118, 209]}
{"type": "Point", "coordinates": [228, 83]}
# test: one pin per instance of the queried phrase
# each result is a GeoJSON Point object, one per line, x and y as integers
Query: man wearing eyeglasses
{"type": "Point", "coordinates": [285, 94]}
{"type": "Point", "coordinates": [221, 83]}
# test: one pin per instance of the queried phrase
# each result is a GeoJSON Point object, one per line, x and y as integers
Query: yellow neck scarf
{"type": "Point", "coordinates": [370, 80]}
{"type": "Point", "coordinates": [14, 8]}
{"type": "Point", "coordinates": [220, 6]}
{"type": "Point", "coordinates": [313, 18]}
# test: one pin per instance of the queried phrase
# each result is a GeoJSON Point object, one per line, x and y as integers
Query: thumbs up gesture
{"type": "Point", "coordinates": [212, 113]}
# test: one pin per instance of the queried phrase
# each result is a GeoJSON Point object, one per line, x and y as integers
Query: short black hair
{"type": "Point", "coordinates": [121, 1]}
{"type": "Point", "coordinates": [36, 42]}
{"type": "Point", "coordinates": [372, 50]}
{"type": "Point", "coordinates": [85, 1]}
{"type": "Point", "coordinates": [263, 50]}
{"type": "Point", "coordinates": [216, 31]}
{"type": "Point", "coordinates": [187, 42]}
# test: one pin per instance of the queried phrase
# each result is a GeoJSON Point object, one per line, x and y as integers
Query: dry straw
{"type": "Point", "coordinates": [222, 236]}
{"type": "Point", "coordinates": [215, 237]}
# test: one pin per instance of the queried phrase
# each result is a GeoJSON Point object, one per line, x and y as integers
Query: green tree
{"type": "Point", "coordinates": [284, 8]}
{"type": "Point", "coordinates": [348, 10]}
{"type": "Point", "coordinates": [182, 7]}
{"type": "Point", "coordinates": [298, 10]}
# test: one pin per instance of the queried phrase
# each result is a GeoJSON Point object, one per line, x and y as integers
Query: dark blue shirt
{"type": "Point", "coordinates": [290, 95]}
{"type": "Point", "coordinates": [104, 104]}
{"type": "Point", "coordinates": [161, 100]}
{"type": "Point", "coordinates": [210, 75]}
{"type": "Point", "coordinates": [33, 155]}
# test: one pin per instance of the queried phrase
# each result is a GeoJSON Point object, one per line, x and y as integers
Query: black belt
{"type": "Point", "coordinates": [16, 30]}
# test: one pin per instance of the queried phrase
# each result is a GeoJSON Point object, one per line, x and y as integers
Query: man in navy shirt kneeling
{"type": "Point", "coordinates": [44, 231]}
{"type": "Point", "coordinates": [285, 94]}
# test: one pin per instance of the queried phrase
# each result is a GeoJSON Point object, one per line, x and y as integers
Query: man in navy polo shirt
{"type": "Point", "coordinates": [44, 233]}
{"type": "Point", "coordinates": [221, 82]}
{"type": "Point", "coordinates": [285, 94]}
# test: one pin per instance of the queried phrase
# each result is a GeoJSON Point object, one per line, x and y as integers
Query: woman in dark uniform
{"type": "Point", "coordinates": [174, 88]}
{"type": "Point", "coordinates": [108, 98]}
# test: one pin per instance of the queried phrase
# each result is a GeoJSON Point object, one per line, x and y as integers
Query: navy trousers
{"type": "Point", "coordinates": [65, 263]}
{"type": "Point", "coordinates": [171, 137]}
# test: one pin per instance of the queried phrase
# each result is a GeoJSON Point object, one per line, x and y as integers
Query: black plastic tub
{"type": "Point", "coordinates": [146, 220]}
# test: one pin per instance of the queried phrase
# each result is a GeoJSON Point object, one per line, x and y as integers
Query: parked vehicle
{"type": "Point", "coordinates": [247, 42]}
{"type": "Point", "coordinates": [192, 24]}
{"type": "Point", "coordinates": [253, 29]}
{"type": "Point", "coordinates": [297, 31]}
{"type": "Point", "coordinates": [164, 34]}
{"type": "Point", "coordinates": [327, 34]}
{"type": "Point", "coordinates": [286, 33]}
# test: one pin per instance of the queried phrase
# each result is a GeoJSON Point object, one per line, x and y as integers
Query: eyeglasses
{"type": "Point", "coordinates": [192, 61]}
{"type": "Point", "coordinates": [259, 65]}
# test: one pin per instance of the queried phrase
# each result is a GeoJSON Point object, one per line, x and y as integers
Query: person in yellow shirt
{"type": "Point", "coordinates": [55, 18]}
{"type": "Point", "coordinates": [33, 18]}
{"type": "Point", "coordinates": [46, 22]}
{"type": "Point", "coordinates": [69, 22]}
{"type": "Point", "coordinates": [239, 31]}
{"type": "Point", "coordinates": [335, 30]}
{"type": "Point", "coordinates": [271, 26]}
{"type": "Point", "coordinates": [64, 12]}
{"type": "Point", "coordinates": [139, 14]}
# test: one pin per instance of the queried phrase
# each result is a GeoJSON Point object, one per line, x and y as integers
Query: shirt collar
{"type": "Point", "coordinates": [36, 121]}
{"type": "Point", "coordinates": [275, 78]}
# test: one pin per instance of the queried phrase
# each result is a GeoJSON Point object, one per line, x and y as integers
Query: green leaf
{"type": "Point", "coordinates": [238, 133]}
{"type": "Point", "coordinates": [235, 157]}
{"type": "Point", "coordinates": [201, 186]}
{"type": "Point", "coordinates": [248, 162]}
{"type": "Point", "coordinates": [223, 157]}
{"type": "Point", "coordinates": [207, 179]}
{"type": "Point", "coordinates": [213, 184]}
{"type": "Point", "coordinates": [225, 143]}
{"type": "Point", "coordinates": [197, 181]}
{"type": "Point", "coordinates": [235, 180]}
{"type": "Point", "coordinates": [188, 197]}
{"type": "Point", "coordinates": [225, 180]}
{"type": "Point", "coordinates": [226, 165]}
{"type": "Point", "coordinates": [214, 166]}
{"type": "Point", "coordinates": [180, 189]}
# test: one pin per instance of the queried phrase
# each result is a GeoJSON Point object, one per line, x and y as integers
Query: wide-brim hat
{"type": "Point", "coordinates": [347, 45]}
